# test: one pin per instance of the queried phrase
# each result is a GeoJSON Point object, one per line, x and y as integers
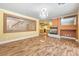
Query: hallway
{"type": "Point", "coordinates": [32, 29]}
{"type": "Point", "coordinates": [41, 46]}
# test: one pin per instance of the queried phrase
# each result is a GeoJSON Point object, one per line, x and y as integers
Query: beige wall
{"type": "Point", "coordinates": [17, 35]}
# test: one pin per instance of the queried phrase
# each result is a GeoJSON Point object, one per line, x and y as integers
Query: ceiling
{"type": "Point", "coordinates": [33, 9]}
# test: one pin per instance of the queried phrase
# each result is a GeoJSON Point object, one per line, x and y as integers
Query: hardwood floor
{"type": "Point", "coordinates": [40, 46]}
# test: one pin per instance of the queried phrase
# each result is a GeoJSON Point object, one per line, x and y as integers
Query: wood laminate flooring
{"type": "Point", "coordinates": [40, 46]}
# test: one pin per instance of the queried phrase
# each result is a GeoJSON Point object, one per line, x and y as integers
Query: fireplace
{"type": "Point", "coordinates": [53, 30]}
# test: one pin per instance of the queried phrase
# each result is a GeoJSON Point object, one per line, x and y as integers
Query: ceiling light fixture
{"type": "Point", "coordinates": [43, 13]}
{"type": "Point", "coordinates": [61, 3]}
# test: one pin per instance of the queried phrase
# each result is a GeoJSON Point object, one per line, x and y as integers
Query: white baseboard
{"type": "Point", "coordinates": [53, 35]}
{"type": "Point", "coordinates": [58, 36]}
{"type": "Point", "coordinates": [67, 37]}
{"type": "Point", "coordinates": [16, 39]}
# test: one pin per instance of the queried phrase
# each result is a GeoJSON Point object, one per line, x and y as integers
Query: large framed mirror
{"type": "Point", "coordinates": [18, 24]}
{"type": "Point", "coordinates": [69, 20]}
